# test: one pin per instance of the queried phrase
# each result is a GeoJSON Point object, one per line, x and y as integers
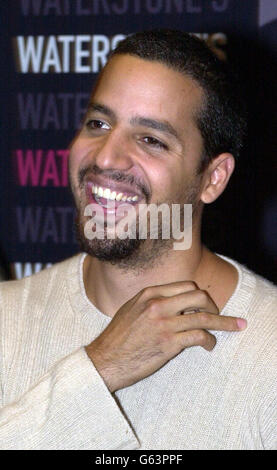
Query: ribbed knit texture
{"type": "Point", "coordinates": [52, 397]}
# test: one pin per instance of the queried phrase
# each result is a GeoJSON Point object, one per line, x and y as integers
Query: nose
{"type": "Point", "coordinates": [114, 151]}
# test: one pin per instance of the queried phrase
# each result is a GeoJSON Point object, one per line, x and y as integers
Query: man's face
{"type": "Point", "coordinates": [140, 140]}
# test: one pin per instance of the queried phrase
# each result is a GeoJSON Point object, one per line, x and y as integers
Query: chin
{"type": "Point", "coordinates": [112, 251]}
{"type": "Point", "coordinates": [133, 254]}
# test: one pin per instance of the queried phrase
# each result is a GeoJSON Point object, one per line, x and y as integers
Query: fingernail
{"type": "Point", "coordinates": [242, 324]}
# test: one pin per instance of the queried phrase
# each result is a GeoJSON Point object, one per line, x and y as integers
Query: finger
{"type": "Point", "coordinates": [169, 290]}
{"type": "Point", "coordinates": [196, 338]}
{"type": "Point", "coordinates": [208, 321]}
{"type": "Point", "coordinates": [196, 300]}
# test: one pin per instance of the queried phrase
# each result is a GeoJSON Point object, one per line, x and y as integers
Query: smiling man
{"type": "Point", "coordinates": [133, 344]}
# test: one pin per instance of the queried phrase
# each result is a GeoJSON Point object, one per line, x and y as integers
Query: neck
{"type": "Point", "coordinates": [109, 287]}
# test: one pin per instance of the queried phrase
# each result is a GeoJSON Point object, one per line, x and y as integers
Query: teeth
{"type": "Point", "coordinates": [112, 195]}
{"type": "Point", "coordinates": [107, 193]}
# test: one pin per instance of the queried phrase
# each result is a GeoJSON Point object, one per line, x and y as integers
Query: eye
{"type": "Point", "coordinates": [153, 142]}
{"type": "Point", "coordinates": [96, 124]}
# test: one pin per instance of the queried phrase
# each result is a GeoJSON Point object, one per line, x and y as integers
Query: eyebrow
{"type": "Point", "coordinates": [101, 108]}
{"type": "Point", "coordinates": [158, 125]}
{"type": "Point", "coordinates": [163, 126]}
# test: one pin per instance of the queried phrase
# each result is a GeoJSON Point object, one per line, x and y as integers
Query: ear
{"type": "Point", "coordinates": [217, 176]}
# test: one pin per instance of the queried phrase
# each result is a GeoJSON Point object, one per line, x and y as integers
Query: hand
{"type": "Point", "coordinates": [152, 328]}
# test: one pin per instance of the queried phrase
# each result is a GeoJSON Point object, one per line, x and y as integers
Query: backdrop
{"type": "Point", "coordinates": [51, 53]}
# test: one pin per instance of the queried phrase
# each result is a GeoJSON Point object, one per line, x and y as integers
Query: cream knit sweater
{"type": "Point", "coordinates": [52, 397]}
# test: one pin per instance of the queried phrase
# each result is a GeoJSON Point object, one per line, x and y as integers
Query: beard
{"type": "Point", "coordinates": [133, 254]}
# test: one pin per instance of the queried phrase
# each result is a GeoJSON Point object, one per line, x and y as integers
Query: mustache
{"type": "Point", "coordinates": [114, 175]}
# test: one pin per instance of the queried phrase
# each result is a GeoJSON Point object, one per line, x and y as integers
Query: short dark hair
{"type": "Point", "coordinates": [222, 118]}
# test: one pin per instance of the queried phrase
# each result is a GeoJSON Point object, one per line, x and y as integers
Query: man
{"type": "Point", "coordinates": [132, 344]}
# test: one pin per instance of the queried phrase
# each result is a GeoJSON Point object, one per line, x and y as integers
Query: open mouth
{"type": "Point", "coordinates": [107, 197]}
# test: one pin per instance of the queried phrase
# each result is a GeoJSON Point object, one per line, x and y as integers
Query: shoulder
{"type": "Point", "coordinates": [249, 357]}
{"type": "Point", "coordinates": [258, 294]}
{"type": "Point", "coordinates": [36, 290]}
{"type": "Point", "coordinates": [37, 323]}
{"type": "Point", "coordinates": [255, 299]}
{"type": "Point", "coordinates": [36, 306]}
{"type": "Point", "coordinates": [253, 291]}
{"type": "Point", "coordinates": [261, 310]}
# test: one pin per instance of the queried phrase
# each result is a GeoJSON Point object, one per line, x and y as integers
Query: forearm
{"type": "Point", "coordinates": [70, 408]}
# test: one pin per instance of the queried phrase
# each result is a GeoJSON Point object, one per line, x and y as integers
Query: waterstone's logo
{"type": "Point", "coordinates": [123, 220]}
{"type": "Point", "coordinates": [80, 53]}
{"type": "Point", "coordinates": [121, 7]}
